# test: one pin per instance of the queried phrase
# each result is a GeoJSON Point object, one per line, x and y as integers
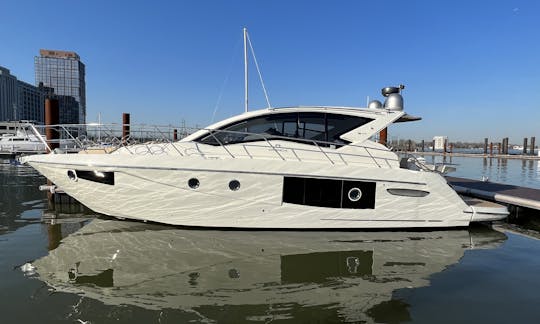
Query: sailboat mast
{"type": "Point", "coordinates": [245, 72]}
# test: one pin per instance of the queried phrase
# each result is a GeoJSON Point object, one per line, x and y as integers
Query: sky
{"type": "Point", "coordinates": [471, 68]}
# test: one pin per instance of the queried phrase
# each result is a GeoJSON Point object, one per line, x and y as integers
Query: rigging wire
{"type": "Point", "coordinates": [225, 81]}
{"type": "Point", "coordinates": [258, 71]}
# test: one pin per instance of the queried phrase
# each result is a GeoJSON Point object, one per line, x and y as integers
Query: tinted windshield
{"type": "Point", "coordinates": [296, 126]}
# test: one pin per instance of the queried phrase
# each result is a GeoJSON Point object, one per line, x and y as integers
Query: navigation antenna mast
{"type": "Point", "coordinates": [245, 71]}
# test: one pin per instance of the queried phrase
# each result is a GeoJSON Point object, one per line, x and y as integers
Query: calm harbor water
{"type": "Point", "coordinates": [517, 172]}
{"type": "Point", "coordinates": [81, 268]}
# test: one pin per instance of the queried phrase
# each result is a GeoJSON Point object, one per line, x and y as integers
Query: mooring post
{"type": "Point", "coordinates": [506, 143]}
{"type": "Point", "coordinates": [433, 145]}
{"type": "Point", "coordinates": [491, 148]}
{"type": "Point", "coordinates": [524, 146]}
{"type": "Point", "coordinates": [499, 146]}
{"type": "Point", "coordinates": [175, 134]}
{"type": "Point", "coordinates": [485, 145]}
{"type": "Point", "coordinates": [423, 145]}
{"type": "Point", "coordinates": [125, 127]}
{"type": "Point", "coordinates": [532, 144]}
{"type": "Point", "coordinates": [383, 136]}
{"type": "Point", "coordinates": [52, 118]}
{"type": "Point", "coordinates": [444, 147]}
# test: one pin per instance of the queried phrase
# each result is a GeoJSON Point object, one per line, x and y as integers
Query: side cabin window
{"type": "Point", "coordinates": [321, 127]}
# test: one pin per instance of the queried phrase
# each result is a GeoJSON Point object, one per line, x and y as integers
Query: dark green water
{"type": "Point", "coordinates": [98, 270]}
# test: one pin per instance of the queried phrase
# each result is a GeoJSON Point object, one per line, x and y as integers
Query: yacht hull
{"type": "Point", "coordinates": [157, 189]}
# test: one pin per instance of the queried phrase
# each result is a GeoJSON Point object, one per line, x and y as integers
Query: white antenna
{"type": "Point", "coordinates": [245, 71]}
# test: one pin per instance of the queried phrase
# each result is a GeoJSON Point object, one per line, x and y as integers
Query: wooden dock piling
{"type": "Point", "coordinates": [444, 147]}
{"type": "Point", "coordinates": [52, 117]}
{"type": "Point", "coordinates": [525, 146]}
{"type": "Point", "coordinates": [485, 145]}
{"type": "Point", "coordinates": [383, 136]}
{"type": "Point", "coordinates": [532, 145]}
{"type": "Point", "coordinates": [125, 127]}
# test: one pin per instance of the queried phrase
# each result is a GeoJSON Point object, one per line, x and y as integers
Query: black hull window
{"type": "Point", "coordinates": [329, 193]}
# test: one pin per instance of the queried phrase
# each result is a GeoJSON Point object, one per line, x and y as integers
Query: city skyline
{"type": "Point", "coordinates": [59, 75]}
{"type": "Point", "coordinates": [470, 69]}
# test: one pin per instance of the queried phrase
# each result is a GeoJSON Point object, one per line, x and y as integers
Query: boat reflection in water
{"type": "Point", "coordinates": [351, 276]}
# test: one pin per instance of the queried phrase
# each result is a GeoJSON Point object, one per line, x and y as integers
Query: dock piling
{"type": "Point", "coordinates": [444, 147]}
{"type": "Point", "coordinates": [532, 144]}
{"type": "Point", "coordinates": [52, 117]}
{"type": "Point", "coordinates": [125, 127]}
{"type": "Point", "coordinates": [383, 136]}
{"type": "Point", "coordinates": [524, 146]}
{"type": "Point", "coordinates": [485, 146]}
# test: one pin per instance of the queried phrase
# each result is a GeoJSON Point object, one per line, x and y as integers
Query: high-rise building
{"type": "Point", "coordinates": [19, 100]}
{"type": "Point", "coordinates": [65, 73]}
{"type": "Point", "coordinates": [8, 95]}
{"type": "Point", "coordinates": [31, 103]}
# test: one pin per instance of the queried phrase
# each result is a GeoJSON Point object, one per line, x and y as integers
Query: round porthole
{"type": "Point", "coordinates": [354, 194]}
{"type": "Point", "coordinates": [72, 175]}
{"type": "Point", "coordinates": [193, 183]}
{"type": "Point", "coordinates": [234, 185]}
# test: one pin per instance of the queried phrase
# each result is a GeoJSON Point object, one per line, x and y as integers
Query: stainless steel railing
{"type": "Point", "coordinates": [155, 139]}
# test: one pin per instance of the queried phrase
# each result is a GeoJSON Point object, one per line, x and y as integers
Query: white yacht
{"type": "Point", "coordinates": [23, 140]}
{"type": "Point", "coordinates": [280, 168]}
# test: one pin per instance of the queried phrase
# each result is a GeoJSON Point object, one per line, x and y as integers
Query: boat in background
{"type": "Point", "coordinates": [24, 139]}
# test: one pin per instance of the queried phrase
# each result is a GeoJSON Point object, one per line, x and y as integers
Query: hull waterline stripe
{"type": "Point", "coordinates": [118, 168]}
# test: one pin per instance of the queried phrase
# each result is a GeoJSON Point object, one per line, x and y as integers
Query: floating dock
{"type": "Point", "coordinates": [502, 193]}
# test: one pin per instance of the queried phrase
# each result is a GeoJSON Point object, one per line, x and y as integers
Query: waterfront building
{"type": "Point", "coordinates": [64, 72]}
{"type": "Point", "coordinates": [31, 103]}
{"type": "Point", "coordinates": [439, 142]}
{"type": "Point", "coordinates": [19, 100]}
{"type": "Point", "coordinates": [8, 95]}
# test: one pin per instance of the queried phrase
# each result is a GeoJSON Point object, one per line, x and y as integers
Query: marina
{"type": "Point", "coordinates": [375, 163]}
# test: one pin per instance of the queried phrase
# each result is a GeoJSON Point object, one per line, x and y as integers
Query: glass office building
{"type": "Point", "coordinates": [65, 73]}
{"type": "Point", "coordinates": [20, 100]}
{"type": "Point", "coordinates": [8, 95]}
